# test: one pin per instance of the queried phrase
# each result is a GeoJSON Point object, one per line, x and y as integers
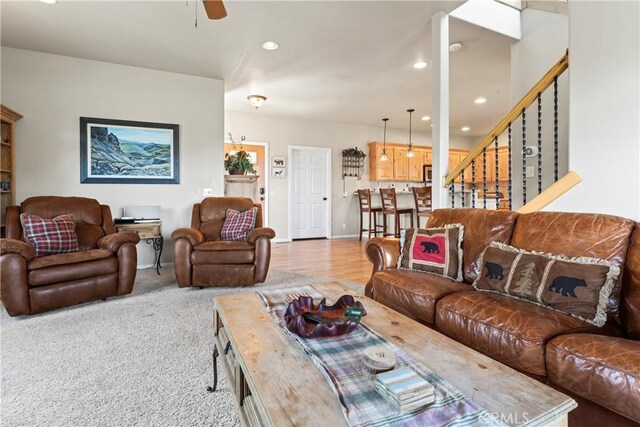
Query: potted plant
{"type": "Point", "coordinates": [238, 163]}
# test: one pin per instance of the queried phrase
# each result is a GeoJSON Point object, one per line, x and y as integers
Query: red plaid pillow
{"type": "Point", "coordinates": [50, 236]}
{"type": "Point", "coordinates": [238, 224]}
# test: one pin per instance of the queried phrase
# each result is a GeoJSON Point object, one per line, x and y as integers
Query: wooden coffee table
{"type": "Point", "coordinates": [287, 389]}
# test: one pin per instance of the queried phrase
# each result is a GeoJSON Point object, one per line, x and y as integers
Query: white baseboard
{"type": "Point", "coordinates": [145, 266]}
{"type": "Point", "coordinates": [345, 236]}
{"type": "Point", "coordinates": [281, 240]}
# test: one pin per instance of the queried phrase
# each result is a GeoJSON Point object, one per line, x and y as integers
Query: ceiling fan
{"type": "Point", "coordinates": [214, 8]}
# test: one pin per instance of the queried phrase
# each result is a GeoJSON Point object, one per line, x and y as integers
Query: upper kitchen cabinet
{"type": "Point", "coordinates": [398, 167]}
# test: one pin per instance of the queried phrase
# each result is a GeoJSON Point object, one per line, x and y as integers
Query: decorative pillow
{"type": "Point", "coordinates": [238, 224]}
{"type": "Point", "coordinates": [50, 236]}
{"type": "Point", "coordinates": [576, 286]}
{"type": "Point", "coordinates": [434, 250]}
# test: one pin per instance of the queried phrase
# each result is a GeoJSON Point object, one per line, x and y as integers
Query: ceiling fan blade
{"type": "Point", "coordinates": [214, 8]}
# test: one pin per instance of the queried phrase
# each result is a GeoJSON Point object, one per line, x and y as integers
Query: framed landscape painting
{"type": "Point", "coordinates": [127, 152]}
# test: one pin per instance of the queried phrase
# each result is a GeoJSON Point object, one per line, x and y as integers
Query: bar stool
{"type": "Point", "coordinates": [422, 198]}
{"type": "Point", "coordinates": [364, 197]}
{"type": "Point", "coordinates": [390, 207]}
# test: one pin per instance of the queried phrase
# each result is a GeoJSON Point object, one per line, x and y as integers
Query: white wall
{"type": "Point", "coordinates": [53, 91]}
{"type": "Point", "coordinates": [545, 39]}
{"type": "Point", "coordinates": [604, 128]}
{"type": "Point", "coordinates": [280, 132]}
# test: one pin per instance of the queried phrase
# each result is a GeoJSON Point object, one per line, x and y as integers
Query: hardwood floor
{"type": "Point", "coordinates": [338, 258]}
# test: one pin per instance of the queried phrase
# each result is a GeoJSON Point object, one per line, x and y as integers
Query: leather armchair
{"type": "Point", "coordinates": [105, 266]}
{"type": "Point", "coordinates": [202, 259]}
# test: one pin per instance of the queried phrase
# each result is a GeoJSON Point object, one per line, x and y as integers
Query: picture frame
{"type": "Point", "coordinates": [278, 162]}
{"type": "Point", "coordinates": [128, 152]}
{"type": "Point", "coordinates": [278, 172]}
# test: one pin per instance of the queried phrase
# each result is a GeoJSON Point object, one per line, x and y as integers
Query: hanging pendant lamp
{"type": "Point", "coordinates": [410, 152]}
{"type": "Point", "coordinates": [383, 156]}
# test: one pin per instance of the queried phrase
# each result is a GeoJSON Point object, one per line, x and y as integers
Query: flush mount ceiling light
{"type": "Point", "coordinates": [465, 128]}
{"type": "Point", "coordinates": [256, 100]}
{"type": "Point", "coordinates": [383, 156]}
{"type": "Point", "coordinates": [420, 65]}
{"type": "Point", "coordinates": [480, 100]}
{"type": "Point", "coordinates": [269, 45]}
{"type": "Point", "coordinates": [454, 47]}
{"type": "Point", "coordinates": [426, 118]}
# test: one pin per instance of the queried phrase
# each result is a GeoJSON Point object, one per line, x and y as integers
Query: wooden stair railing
{"type": "Point", "coordinates": [518, 111]}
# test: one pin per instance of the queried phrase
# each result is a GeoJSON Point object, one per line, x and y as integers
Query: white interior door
{"type": "Point", "coordinates": [309, 193]}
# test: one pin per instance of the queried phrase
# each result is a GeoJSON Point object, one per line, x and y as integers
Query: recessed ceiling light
{"type": "Point", "coordinates": [426, 118]}
{"type": "Point", "coordinates": [480, 100]}
{"type": "Point", "coordinates": [454, 47]}
{"type": "Point", "coordinates": [420, 65]}
{"type": "Point", "coordinates": [269, 45]}
{"type": "Point", "coordinates": [465, 128]}
{"type": "Point", "coordinates": [49, 1]}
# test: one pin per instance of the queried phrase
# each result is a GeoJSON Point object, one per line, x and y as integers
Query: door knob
{"type": "Point", "coordinates": [324, 198]}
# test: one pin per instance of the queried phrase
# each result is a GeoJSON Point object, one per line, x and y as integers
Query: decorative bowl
{"type": "Point", "coordinates": [321, 321]}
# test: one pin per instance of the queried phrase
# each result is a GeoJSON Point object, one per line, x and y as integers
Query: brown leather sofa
{"type": "Point", "coordinates": [105, 266]}
{"type": "Point", "coordinates": [599, 367]}
{"type": "Point", "coordinates": [202, 259]}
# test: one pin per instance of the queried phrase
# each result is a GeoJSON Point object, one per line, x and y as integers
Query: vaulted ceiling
{"type": "Point", "coordinates": [348, 62]}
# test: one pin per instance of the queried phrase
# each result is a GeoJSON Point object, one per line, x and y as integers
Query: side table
{"type": "Point", "coordinates": [151, 233]}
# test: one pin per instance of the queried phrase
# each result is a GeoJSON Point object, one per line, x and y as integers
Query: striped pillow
{"type": "Point", "coordinates": [238, 224]}
{"type": "Point", "coordinates": [50, 236]}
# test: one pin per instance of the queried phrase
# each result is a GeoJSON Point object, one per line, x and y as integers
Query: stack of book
{"type": "Point", "coordinates": [405, 389]}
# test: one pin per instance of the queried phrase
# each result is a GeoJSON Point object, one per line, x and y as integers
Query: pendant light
{"type": "Point", "coordinates": [383, 156]}
{"type": "Point", "coordinates": [410, 152]}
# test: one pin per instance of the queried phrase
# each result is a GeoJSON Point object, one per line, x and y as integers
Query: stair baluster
{"type": "Point", "coordinates": [473, 183]}
{"type": "Point", "coordinates": [484, 178]}
{"type": "Point", "coordinates": [555, 128]}
{"type": "Point", "coordinates": [524, 157]}
{"type": "Point", "coordinates": [463, 187]}
{"type": "Point", "coordinates": [539, 142]}
{"type": "Point", "coordinates": [510, 172]}
{"type": "Point", "coordinates": [495, 144]}
{"type": "Point", "coordinates": [453, 196]}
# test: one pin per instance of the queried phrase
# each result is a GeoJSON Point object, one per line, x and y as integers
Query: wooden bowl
{"type": "Point", "coordinates": [333, 322]}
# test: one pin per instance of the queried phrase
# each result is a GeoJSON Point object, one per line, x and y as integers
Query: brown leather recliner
{"type": "Point", "coordinates": [202, 259]}
{"type": "Point", "coordinates": [104, 266]}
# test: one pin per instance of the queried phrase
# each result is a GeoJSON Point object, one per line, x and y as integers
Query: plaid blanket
{"type": "Point", "coordinates": [340, 362]}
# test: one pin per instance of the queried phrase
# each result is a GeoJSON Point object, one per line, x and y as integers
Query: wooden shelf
{"type": "Point", "coordinates": [8, 139]}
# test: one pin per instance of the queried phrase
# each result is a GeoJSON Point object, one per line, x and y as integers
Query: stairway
{"type": "Point", "coordinates": [524, 130]}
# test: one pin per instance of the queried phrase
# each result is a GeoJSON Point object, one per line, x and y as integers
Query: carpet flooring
{"type": "Point", "coordinates": [138, 360]}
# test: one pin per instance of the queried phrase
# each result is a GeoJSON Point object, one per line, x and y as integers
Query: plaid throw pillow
{"type": "Point", "coordinates": [238, 224]}
{"type": "Point", "coordinates": [434, 250]}
{"type": "Point", "coordinates": [50, 236]}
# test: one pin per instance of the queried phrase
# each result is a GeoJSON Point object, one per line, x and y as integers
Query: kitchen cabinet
{"type": "Point", "coordinates": [415, 164]}
{"type": "Point", "coordinates": [400, 164]}
{"type": "Point", "coordinates": [503, 164]}
{"type": "Point", "coordinates": [378, 170]}
{"type": "Point", "coordinates": [455, 158]}
{"type": "Point", "coordinates": [399, 167]}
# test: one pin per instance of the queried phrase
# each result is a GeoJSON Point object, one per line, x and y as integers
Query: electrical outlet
{"type": "Point", "coordinates": [273, 193]}
{"type": "Point", "coordinates": [206, 192]}
{"type": "Point", "coordinates": [344, 226]}
{"type": "Point", "coordinates": [531, 172]}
